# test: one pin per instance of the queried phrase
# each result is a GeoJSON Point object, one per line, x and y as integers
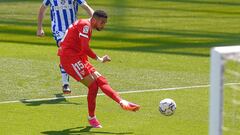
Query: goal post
{"type": "Point", "coordinates": [218, 57]}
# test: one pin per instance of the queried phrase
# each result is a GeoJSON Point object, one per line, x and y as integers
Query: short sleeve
{"type": "Point", "coordinates": [46, 3]}
{"type": "Point", "coordinates": [81, 1]}
{"type": "Point", "coordinates": [85, 32]}
{"type": "Point", "coordinates": [84, 29]}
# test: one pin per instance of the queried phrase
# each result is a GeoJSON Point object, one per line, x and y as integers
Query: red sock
{"type": "Point", "coordinates": [104, 86]}
{"type": "Point", "coordinates": [92, 95]}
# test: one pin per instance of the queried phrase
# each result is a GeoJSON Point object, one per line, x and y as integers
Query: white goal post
{"type": "Point", "coordinates": [218, 56]}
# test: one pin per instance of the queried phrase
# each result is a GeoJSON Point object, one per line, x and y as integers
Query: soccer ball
{"type": "Point", "coordinates": [167, 106]}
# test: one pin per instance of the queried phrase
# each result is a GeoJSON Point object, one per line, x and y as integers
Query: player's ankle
{"type": "Point", "coordinates": [124, 102]}
{"type": "Point", "coordinates": [91, 117]}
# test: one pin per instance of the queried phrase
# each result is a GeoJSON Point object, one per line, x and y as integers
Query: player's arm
{"type": "Point", "coordinates": [84, 36]}
{"type": "Point", "coordinates": [84, 42]}
{"type": "Point", "coordinates": [41, 13]}
{"type": "Point", "coordinates": [103, 59]}
{"type": "Point", "coordinates": [93, 55]}
{"type": "Point", "coordinates": [87, 8]}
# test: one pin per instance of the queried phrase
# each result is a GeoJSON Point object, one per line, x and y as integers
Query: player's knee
{"type": "Point", "coordinates": [93, 88]}
{"type": "Point", "coordinates": [101, 81]}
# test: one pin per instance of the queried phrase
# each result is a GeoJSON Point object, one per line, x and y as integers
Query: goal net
{"type": "Point", "coordinates": [224, 114]}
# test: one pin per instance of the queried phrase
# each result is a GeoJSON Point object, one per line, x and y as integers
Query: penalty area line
{"type": "Point", "coordinates": [123, 92]}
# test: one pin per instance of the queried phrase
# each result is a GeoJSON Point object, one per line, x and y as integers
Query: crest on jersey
{"type": "Point", "coordinates": [63, 2]}
{"type": "Point", "coordinates": [59, 34]}
{"type": "Point", "coordinates": [86, 29]}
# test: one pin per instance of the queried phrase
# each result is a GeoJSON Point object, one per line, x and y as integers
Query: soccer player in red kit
{"type": "Point", "coordinates": [74, 51]}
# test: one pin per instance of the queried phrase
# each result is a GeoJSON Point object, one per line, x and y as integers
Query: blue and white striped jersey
{"type": "Point", "coordinates": [63, 13]}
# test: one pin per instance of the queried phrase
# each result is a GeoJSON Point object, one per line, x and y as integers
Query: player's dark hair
{"type": "Point", "coordinates": [100, 14]}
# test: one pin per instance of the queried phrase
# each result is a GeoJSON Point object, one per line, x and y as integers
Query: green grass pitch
{"type": "Point", "coordinates": [153, 44]}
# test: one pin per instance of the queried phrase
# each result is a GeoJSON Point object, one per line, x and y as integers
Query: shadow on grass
{"type": "Point", "coordinates": [178, 1]}
{"type": "Point", "coordinates": [8, 1]}
{"type": "Point", "coordinates": [178, 42]}
{"type": "Point", "coordinates": [152, 40]}
{"type": "Point", "coordinates": [29, 42]}
{"type": "Point", "coordinates": [204, 2]}
{"type": "Point", "coordinates": [20, 23]}
{"type": "Point", "coordinates": [177, 9]}
{"type": "Point", "coordinates": [60, 99]}
{"type": "Point", "coordinates": [82, 131]}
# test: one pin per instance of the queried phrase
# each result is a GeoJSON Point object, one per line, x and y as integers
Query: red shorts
{"type": "Point", "coordinates": [76, 66]}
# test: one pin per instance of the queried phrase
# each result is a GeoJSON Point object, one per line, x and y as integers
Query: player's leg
{"type": "Point", "coordinates": [75, 67]}
{"type": "Point", "coordinates": [65, 77]}
{"type": "Point", "coordinates": [65, 81]}
{"type": "Point", "coordinates": [106, 88]}
{"type": "Point", "coordinates": [90, 82]}
{"type": "Point", "coordinates": [85, 73]}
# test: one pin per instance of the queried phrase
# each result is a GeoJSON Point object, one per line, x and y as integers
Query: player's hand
{"type": "Point", "coordinates": [40, 33]}
{"type": "Point", "coordinates": [106, 58]}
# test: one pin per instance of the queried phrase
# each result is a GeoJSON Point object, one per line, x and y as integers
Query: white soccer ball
{"type": "Point", "coordinates": [167, 106]}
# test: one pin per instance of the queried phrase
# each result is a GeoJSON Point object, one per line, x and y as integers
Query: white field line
{"type": "Point", "coordinates": [124, 92]}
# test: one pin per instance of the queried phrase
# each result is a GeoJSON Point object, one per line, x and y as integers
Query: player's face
{"type": "Point", "coordinates": [100, 23]}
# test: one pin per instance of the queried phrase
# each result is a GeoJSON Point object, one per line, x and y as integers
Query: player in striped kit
{"type": "Point", "coordinates": [63, 13]}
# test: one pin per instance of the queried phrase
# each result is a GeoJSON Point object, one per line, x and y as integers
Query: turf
{"type": "Point", "coordinates": [69, 116]}
{"type": "Point", "coordinates": [153, 44]}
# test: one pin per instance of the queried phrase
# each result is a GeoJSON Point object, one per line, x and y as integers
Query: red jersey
{"type": "Point", "coordinates": [76, 40]}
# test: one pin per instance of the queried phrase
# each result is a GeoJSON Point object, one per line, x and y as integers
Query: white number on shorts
{"type": "Point", "coordinates": [79, 65]}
